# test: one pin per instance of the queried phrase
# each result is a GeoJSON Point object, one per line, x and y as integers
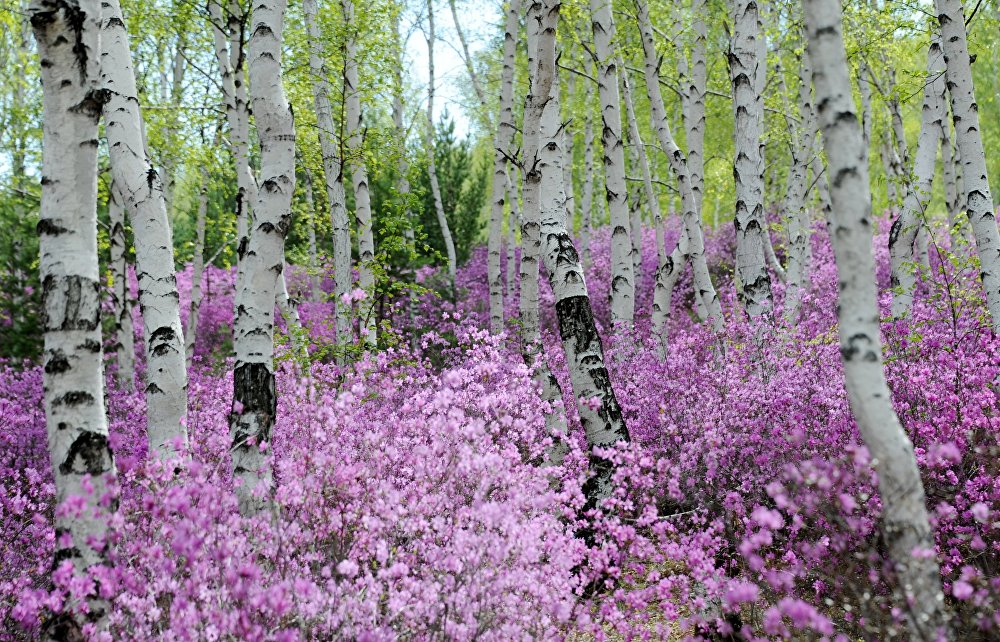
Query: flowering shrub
{"type": "Point", "coordinates": [408, 503]}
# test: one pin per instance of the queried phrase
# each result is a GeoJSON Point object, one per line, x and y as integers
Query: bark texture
{"type": "Point", "coordinates": [120, 292]}
{"type": "Point", "coordinates": [622, 294]}
{"type": "Point", "coordinates": [198, 265]}
{"type": "Point", "coordinates": [965, 112]}
{"type": "Point", "coordinates": [140, 185]}
{"type": "Point", "coordinates": [905, 527]}
{"type": "Point", "coordinates": [254, 396]}
{"type": "Point", "coordinates": [68, 34]}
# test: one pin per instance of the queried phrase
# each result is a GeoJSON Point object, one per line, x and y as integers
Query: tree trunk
{"type": "Point", "coordinates": [333, 171]}
{"type": "Point", "coordinates": [513, 223]}
{"type": "Point", "coordinates": [905, 527]}
{"type": "Point", "coordinates": [965, 112]}
{"type": "Point", "coordinates": [691, 246]}
{"type": "Point", "coordinates": [69, 36]}
{"type": "Point", "coordinates": [747, 74]}
{"type": "Point", "coordinates": [797, 219]}
{"type": "Point", "coordinates": [622, 294]}
{"type": "Point", "coordinates": [122, 303]}
{"type": "Point", "coordinates": [442, 219]}
{"type": "Point", "coordinates": [314, 290]}
{"type": "Point", "coordinates": [581, 342]}
{"type": "Point", "coordinates": [359, 166]}
{"type": "Point", "coordinates": [587, 202]}
{"type": "Point", "coordinates": [502, 142]}
{"type": "Point", "coordinates": [254, 395]}
{"type": "Point", "coordinates": [166, 375]}
{"type": "Point", "coordinates": [403, 182]}
{"type": "Point", "coordinates": [198, 264]}
{"type": "Point", "coordinates": [694, 103]}
{"type": "Point", "coordinates": [904, 232]}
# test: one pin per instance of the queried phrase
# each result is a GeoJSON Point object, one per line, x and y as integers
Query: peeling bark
{"type": "Point", "coordinates": [905, 526]}
{"type": "Point", "coordinates": [68, 34]}
{"type": "Point", "coordinates": [166, 374]}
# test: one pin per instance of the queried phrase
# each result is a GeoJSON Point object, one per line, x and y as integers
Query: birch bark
{"type": "Point", "coordinates": [587, 200]}
{"type": "Point", "coordinates": [122, 303]}
{"type": "Point", "coordinates": [359, 166]}
{"type": "Point", "coordinates": [747, 74]}
{"type": "Point", "coordinates": [166, 375]}
{"type": "Point", "coordinates": [905, 527]}
{"type": "Point", "coordinates": [622, 294]}
{"type": "Point", "coordinates": [513, 223]}
{"type": "Point", "coordinates": [333, 170]}
{"type": "Point", "coordinates": [254, 395]}
{"type": "Point", "coordinates": [68, 35]}
{"type": "Point", "coordinates": [197, 265]}
{"type": "Point", "coordinates": [307, 184]}
{"type": "Point", "coordinates": [798, 220]}
{"type": "Point", "coordinates": [904, 231]}
{"type": "Point", "coordinates": [965, 112]}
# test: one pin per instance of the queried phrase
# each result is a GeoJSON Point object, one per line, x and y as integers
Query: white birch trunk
{"type": "Point", "coordinates": [965, 112]}
{"type": "Point", "coordinates": [904, 232]}
{"type": "Point", "coordinates": [949, 174]}
{"type": "Point", "coordinates": [797, 218]}
{"type": "Point", "coordinates": [69, 44]}
{"type": "Point", "coordinates": [622, 294]}
{"type": "Point", "coordinates": [254, 395]}
{"type": "Point", "coordinates": [176, 96]}
{"type": "Point", "coordinates": [166, 374]}
{"type": "Point", "coordinates": [905, 527]}
{"type": "Point", "coordinates": [333, 171]}
{"type": "Point", "coordinates": [359, 167]}
{"type": "Point", "coordinates": [692, 246]}
{"type": "Point", "coordinates": [502, 142]}
{"type": "Point", "coordinates": [694, 103]}
{"type": "Point", "coordinates": [513, 223]}
{"type": "Point", "coordinates": [314, 289]}
{"type": "Point", "coordinates": [587, 200]}
{"type": "Point", "coordinates": [198, 266]}
{"type": "Point", "coordinates": [747, 74]}
{"type": "Point", "coordinates": [442, 219]}
{"type": "Point", "coordinates": [577, 329]}
{"type": "Point", "coordinates": [403, 182]}
{"type": "Point", "coordinates": [567, 164]}
{"type": "Point", "coordinates": [124, 331]}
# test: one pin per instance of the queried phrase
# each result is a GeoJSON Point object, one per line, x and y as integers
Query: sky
{"type": "Point", "coordinates": [479, 21]}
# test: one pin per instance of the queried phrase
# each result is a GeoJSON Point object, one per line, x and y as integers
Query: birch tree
{"type": "Point", "coordinates": [69, 45]}
{"type": "Point", "coordinates": [903, 234]}
{"type": "Point", "coordinates": [965, 113]}
{"type": "Point", "coordinates": [197, 266]}
{"type": "Point", "coordinates": [442, 219]}
{"type": "Point", "coordinates": [577, 329]}
{"type": "Point", "coordinates": [254, 395]}
{"type": "Point", "coordinates": [905, 526]}
{"type": "Point", "coordinates": [121, 302]}
{"type": "Point", "coordinates": [622, 294]}
{"type": "Point", "coordinates": [746, 68]}
{"type": "Point", "coordinates": [142, 190]}
{"type": "Point", "coordinates": [333, 170]}
{"type": "Point", "coordinates": [797, 215]}
{"type": "Point", "coordinates": [587, 197]}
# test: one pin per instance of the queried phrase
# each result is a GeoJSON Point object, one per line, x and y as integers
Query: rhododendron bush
{"type": "Point", "coordinates": [413, 499]}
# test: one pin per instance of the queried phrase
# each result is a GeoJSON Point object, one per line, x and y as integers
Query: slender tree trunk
{"type": "Point", "coordinates": [124, 332]}
{"type": "Point", "coordinates": [797, 219]}
{"type": "Point", "coordinates": [691, 247]}
{"type": "Point", "coordinates": [254, 394]}
{"type": "Point", "coordinates": [359, 166]}
{"type": "Point", "coordinates": [69, 39]}
{"type": "Point", "coordinates": [198, 264]}
{"type": "Point", "coordinates": [314, 290]}
{"type": "Point", "coordinates": [622, 294]}
{"type": "Point", "coordinates": [442, 219]}
{"type": "Point", "coordinates": [166, 375]}
{"type": "Point", "coordinates": [747, 73]}
{"type": "Point", "coordinates": [567, 164]}
{"type": "Point", "coordinates": [587, 202]}
{"type": "Point", "coordinates": [513, 222]}
{"type": "Point", "coordinates": [694, 107]}
{"type": "Point", "coordinates": [502, 142]}
{"type": "Point", "coordinates": [176, 96]}
{"type": "Point", "coordinates": [905, 527]}
{"type": "Point", "coordinates": [333, 171]}
{"type": "Point", "coordinates": [904, 232]}
{"type": "Point", "coordinates": [865, 90]}
{"type": "Point", "coordinates": [403, 182]}
{"type": "Point", "coordinates": [965, 112]}
{"type": "Point", "coordinates": [949, 174]}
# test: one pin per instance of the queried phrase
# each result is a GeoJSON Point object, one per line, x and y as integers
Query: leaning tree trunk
{"type": "Point", "coordinates": [69, 41]}
{"type": "Point", "coordinates": [333, 171]}
{"type": "Point", "coordinates": [198, 264]}
{"type": "Point", "coordinates": [746, 69]}
{"type": "Point", "coordinates": [502, 142]}
{"type": "Point", "coordinates": [905, 527]}
{"type": "Point", "coordinates": [359, 167]}
{"type": "Point", "coordinates": [903, 234]}
{"type": "Point", "coordinates": [122, 304]}
{"type": "Point", "coordinates": [622, 273]}
{"type": "Point", "coordinates": [166, 374]}
{"type": "Point", "coordinates": [965, 112]}
{"type": "Point", "coordinates": [691, 246]}
{"type": "Point", "coordinates": [254, 395]}
{"type": "Point", "coordinates": [604, 426]}
{"type": "Point", "coordinates": [442, 219]}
